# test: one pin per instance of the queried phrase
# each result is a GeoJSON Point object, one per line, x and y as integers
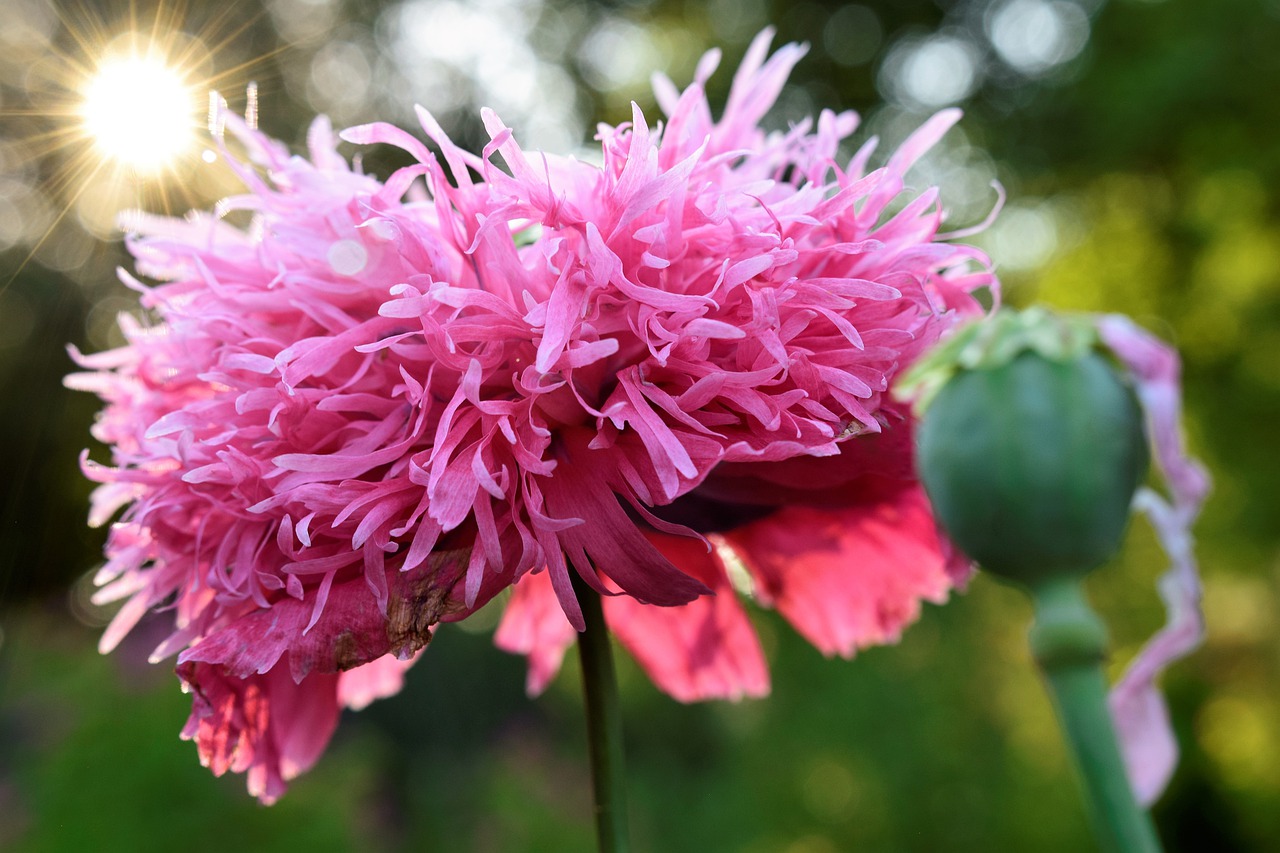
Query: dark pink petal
{"type": "Point", "coordinates": [867, 469]}
{"type": "Point", "coordinates": [350, 631]}
{"type": "Point", "coordinates": [608, 540]}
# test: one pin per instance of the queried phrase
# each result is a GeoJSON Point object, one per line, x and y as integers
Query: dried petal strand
{"type": "Point", "coordinates": [1137, 706]}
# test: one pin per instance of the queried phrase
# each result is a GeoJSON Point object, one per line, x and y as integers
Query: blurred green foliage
{"type": "Point", "coordinates": [1146, 170]}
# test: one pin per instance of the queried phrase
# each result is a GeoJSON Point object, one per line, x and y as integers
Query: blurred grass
{"type": "Point", "coordinates": [84, 769]}
{"type": "Point", "coordinates": [943, 742]}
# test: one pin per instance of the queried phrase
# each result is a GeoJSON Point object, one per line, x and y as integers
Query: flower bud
{"type": "Point", "coordinates": [1031, 451]}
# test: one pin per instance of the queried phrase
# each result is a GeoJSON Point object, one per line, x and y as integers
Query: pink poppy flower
{"type": "Point", "coordinates": [363, 414]}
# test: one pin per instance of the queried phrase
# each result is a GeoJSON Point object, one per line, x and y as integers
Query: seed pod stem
{"type": "Point", "coordinates": [1069, 643]}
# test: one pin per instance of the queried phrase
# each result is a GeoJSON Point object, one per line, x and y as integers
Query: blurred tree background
{"type": "Point", "coordinates": [1139, 142]}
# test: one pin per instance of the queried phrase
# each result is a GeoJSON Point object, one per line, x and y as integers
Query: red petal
{"type": "Point", "coordinates": [534, 624]}
{"type": "Point", "coordinates": [705, 649]}
{"type": "Point", "coordinates": [377, 680]}
{"type": "Point", "coordinates": [265, 726]}
{"type": "Point", "coordinates": [848, 578]}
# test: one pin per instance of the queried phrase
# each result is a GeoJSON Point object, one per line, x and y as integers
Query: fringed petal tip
{"type": "Point", "coordinates": [270, 727]}
{"type": "Point", "coordinates": [265, 726]}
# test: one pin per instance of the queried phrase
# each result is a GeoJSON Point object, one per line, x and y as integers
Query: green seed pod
{"type": "Point", "coordinates": [1031, 461]}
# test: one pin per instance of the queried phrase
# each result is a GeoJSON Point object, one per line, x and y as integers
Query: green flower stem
{"type": "Point", "coordinates": [1069, 643]}
{"type": "Point", "coordinates": [604, 723]}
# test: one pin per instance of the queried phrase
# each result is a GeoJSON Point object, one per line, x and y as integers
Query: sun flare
{"type": "Point", "coordinates": [139, 112]}
{"type": "Point", "coordinates": [115, 106]}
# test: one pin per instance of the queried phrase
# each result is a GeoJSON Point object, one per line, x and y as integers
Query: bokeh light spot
{"type": "Point", "coordinates": [617, 54]}
{"type": "Point", "coordinates": [932, 72]}
{"type": "Point", "coordinates": [829, 790]}
{"type": "Point", "coordinates": [347, 257]}
{"type": "Point", "coordinates": [1033, 36]}
{"type": "Point", "coordinates": [1240, 739]}
{"type": "Point", "coordinates": [1024, 236]}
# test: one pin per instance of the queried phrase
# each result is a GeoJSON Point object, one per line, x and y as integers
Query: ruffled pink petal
{"type": "Point", "coordinates": [266, 726]}
{"type": "Point", "coordinates": [534, 624]}
{"type": "Point", "coordinates": [705, 649]}
{"type": "Point", "coordinates": [847, 578]}
{"type": "Point", "coordinates": [1137, 706]}
{"type": "Point", "coordinates": [384, 677]}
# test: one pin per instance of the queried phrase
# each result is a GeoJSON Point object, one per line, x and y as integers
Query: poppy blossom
{"type": "Point", "coordinates": [368, 409]}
